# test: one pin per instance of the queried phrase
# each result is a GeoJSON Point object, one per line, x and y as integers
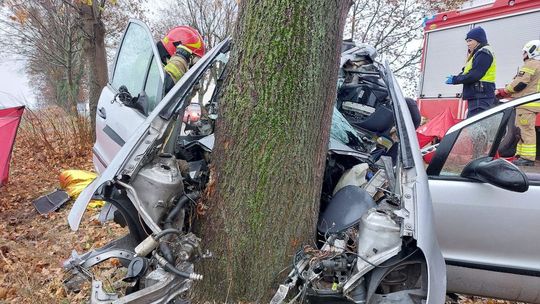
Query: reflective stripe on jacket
{"type": "Point", "coordinates": [176, 66]}
{"type": "Point", "coordinates": [478, 76]}
{"type": "Point", "coordinates": [527, 81]}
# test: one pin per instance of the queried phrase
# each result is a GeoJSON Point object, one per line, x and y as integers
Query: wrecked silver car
{"type": "Point", "coordinates": [375, 243]}
{"type": "Point", "coordinates": [375, 232]}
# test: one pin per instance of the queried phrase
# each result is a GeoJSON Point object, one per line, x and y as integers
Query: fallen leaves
{"type": "Point", "coordinates": [478, 300]}
{"type": "Point", "coordinates": [3, 293]}
{"type": "Point", "coordinates": [33, 247]}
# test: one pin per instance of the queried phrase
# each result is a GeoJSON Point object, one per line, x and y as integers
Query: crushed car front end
{"type": "Point", "coordinates": [151, 187]}
{"type": "Point", "coordinates": [375, 240]}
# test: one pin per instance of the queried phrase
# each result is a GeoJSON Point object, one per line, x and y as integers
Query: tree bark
{"type": "Point", "coordinates": [271, 144]}
{"type": "Point", "coordinates": [96, 55]}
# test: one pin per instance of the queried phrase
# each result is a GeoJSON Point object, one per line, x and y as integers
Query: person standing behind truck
{"type": "Point", "coordinates": [527, 81]}
{"type": "Point", "coordinates": [478, 75]}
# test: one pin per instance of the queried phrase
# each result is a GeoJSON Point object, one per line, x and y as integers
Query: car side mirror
{"type": "Point", "coordinates": [497, 172]}
{"type": "Point", "coordinates": [139, 103]}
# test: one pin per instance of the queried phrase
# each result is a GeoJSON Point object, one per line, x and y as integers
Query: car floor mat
{"type": "Point", "coordinates": [51, 202]}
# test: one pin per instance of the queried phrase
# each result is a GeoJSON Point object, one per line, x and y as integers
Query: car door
{"type": "Point", "coordinates": [137, 67]}
{"type": "Point", "coordinates": [128, 160]}
{"type": "Point", "coordinates": [488, 235]}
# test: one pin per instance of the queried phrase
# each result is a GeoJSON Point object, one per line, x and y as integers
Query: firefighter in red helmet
{"type": "Point", "coordinates": [179, 50]}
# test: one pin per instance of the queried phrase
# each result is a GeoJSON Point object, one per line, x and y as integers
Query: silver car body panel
{"type": "Point", "coordinates": [486, 233]}
{"type": "Point", "coordinates": [131, 154]}
{"type": "Point", "coordinates": [501, 285]}
{"type": "Point", "coordinates": [412, 182]}
{"type": "Point", "coordinates": [115, 122]}
{"type": "Point", "coordinates": [417, 201]}
{"type": "Point", "coordinates": [478, 223]}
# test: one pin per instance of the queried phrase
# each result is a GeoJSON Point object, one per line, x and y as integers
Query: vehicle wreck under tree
{"type": "Point", "coordinates": [152, 181]}
{"type": "Point", "coordinates": [375, 222]}
{"type": "Point", "coordinates": [372, 177]}
{"type": "Point", "coordinates": [271, 142]}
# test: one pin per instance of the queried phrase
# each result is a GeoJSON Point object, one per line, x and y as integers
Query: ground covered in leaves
{"type": "Point", "coordinates": [32, 246]}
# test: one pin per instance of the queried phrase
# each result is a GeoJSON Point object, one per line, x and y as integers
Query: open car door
{"type": "Point", "coordinates": [486, 209]}
{"type": "Point", "coordinates": [135, 86]}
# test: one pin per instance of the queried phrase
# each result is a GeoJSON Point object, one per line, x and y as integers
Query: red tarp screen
{"type": "Point", "coordinates": [435, 127]}
{"type": "Point", "coordinates": [438, 125]}
{"type": "Point", "coordinates": [9, 122]}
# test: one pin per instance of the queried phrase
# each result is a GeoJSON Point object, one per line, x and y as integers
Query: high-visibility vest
{"type": "Point", "coordinates": [490, 74]}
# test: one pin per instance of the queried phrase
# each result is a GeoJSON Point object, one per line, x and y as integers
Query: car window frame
{"type": "Point", "coordinates": [160, 87]}
{"type": "Point", "coordinates": [396, 94]}
{"type": "Point", "coordinates": [155, 58]}
{"type": "Point", "coordinates": [447, 143]}
{"type": "Point", "coordinates": [180, 90]}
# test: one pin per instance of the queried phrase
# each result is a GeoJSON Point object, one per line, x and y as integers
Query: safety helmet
{"type": "Point", "coordinates": [532, 48]}
{"type": "Point", "coordinates": [187, 36]}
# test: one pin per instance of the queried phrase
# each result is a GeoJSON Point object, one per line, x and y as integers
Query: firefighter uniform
{"type": "Point", "coordinates": [178, 50]}
{"type": "Point", "coordinates": [526, 82]}
{"type": "Point", "coordinates": [176, 67]}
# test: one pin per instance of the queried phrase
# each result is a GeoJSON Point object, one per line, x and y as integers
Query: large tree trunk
{"type": "Point", "coordinates": [96, 55]}
{"type": "Point", "coordinates": [271, 143]}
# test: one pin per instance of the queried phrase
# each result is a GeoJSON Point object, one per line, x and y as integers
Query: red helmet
{"type": "Point", "coordinates": [185, 35]}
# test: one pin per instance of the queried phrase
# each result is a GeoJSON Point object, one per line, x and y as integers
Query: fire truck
{"type": "Point", "coordinates": [509, 24]}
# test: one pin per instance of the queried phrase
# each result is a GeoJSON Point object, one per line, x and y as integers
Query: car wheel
{"type": "Point", "coordinates": [400, 280]}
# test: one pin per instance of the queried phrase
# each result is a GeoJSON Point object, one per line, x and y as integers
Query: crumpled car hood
{"type": "Point", "coordinates": [145, 135]}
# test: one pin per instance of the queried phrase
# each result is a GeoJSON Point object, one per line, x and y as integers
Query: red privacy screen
{"type": "Point", "coordinates": [9, 122]}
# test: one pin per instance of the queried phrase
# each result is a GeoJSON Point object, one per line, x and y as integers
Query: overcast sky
{"type": "Point", "coordinates": [14, 84]}
{"type": "Point", "coordinates": [14, 88]}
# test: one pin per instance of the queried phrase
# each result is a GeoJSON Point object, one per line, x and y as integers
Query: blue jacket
{"type": "Point", "coordinates": [472, 87]}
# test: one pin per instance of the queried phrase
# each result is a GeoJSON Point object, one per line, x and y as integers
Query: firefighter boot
{"type": "Point", "coordinates": [523, 162]}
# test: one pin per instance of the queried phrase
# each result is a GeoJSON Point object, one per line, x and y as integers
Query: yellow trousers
{"type": "Point", "coordinates": [526, 121]}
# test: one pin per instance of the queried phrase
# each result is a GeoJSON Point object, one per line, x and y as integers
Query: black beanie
{"type": "Point", "coordinates": [477, 34]}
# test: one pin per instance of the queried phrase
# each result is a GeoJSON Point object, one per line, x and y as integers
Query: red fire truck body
{"type": "Point", "coordinates": [508, 25]}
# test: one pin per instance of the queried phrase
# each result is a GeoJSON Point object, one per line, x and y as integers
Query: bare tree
{"type": "Point", "coordinates": [214, 19]}
{"type": "Point", "coordinates": [395, 29]}
{"type": "Point", "coordinates": [45, 33]}
{"type": "Point", "coordinates": [64, 43]}
{"type": "Point", "coordinates": [95, 18]}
